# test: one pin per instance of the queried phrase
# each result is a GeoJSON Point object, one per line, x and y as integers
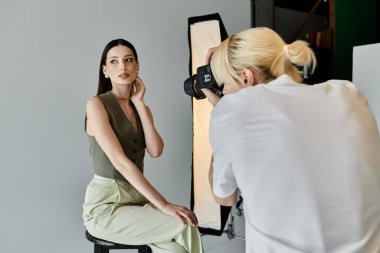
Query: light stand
{"type": "Point", "coordinates": [230, 231]}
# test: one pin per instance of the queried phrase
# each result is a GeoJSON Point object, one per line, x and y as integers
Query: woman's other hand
{"type": "Point", "coordinates": [183, 214]}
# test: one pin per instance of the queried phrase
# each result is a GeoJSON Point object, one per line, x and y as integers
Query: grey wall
{"type": "Point", "coordinates": [49, 56]}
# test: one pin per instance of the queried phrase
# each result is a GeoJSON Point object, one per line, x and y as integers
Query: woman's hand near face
{"type": "Point", "coordinates": [153, 140]}
{"type": "Point", "coordinates": [138, 90]}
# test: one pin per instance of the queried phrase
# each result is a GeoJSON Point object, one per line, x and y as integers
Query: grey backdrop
{"type": "Point", "coordinates": [49, 59]}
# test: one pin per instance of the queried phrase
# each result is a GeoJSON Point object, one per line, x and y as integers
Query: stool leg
{"type": "Point", "coordinates": [97, 248]}
{"type": "Point", "coordinates": [144, 249]}
{"type": "Point", "coordinates": [105, 249]}
{"type": "Point", "coordinates": [101, 249]}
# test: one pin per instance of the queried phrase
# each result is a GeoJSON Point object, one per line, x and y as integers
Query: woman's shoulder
{"type": "Point", "coordinates": [94, 105]}
{"type": "Point", "coordinates": [99, 100]}
{"type": "Point", "coordinates": [93, 102]}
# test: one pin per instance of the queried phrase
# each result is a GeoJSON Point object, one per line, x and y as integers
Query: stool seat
{"type": "Point", "coordinates": [103, 246]}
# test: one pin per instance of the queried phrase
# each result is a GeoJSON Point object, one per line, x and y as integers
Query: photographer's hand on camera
{"type": "Point", "coordinates": [203, 84]}
{"type": "Point", "coordinates": [211, 96]}
{"type": "Point", "coordinates": [209, 54]}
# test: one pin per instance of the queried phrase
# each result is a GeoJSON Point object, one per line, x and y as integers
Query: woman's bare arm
{"type": "Point", "coordinates": [99, 127]}
{"type": "Point", "coordinates": [153, 140]}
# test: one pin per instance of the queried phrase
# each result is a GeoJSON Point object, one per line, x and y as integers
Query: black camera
{"type": "Point", "coordinates": [203, 79]}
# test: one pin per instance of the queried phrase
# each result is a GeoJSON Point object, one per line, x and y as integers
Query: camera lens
{"type": "Point", "coordinates": [191, 88]}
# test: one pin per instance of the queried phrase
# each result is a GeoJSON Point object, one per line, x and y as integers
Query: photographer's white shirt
{"type": "Point", "coordinates": [307, 162]}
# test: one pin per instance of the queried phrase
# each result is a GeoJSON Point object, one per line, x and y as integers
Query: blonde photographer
{"type": "Point", "coordinates": [306, 158]}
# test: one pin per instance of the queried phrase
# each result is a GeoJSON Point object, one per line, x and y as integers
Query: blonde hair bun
{"type": "Point", "coordinates": [263, 50]}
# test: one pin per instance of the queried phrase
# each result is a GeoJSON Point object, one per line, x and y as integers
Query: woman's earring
{"type": "Point", "coordinates": [137, 72]}
{"type": "Point", "coordinates": [245, 81]}
{"type": "Point", "coordinates": [106, 76]}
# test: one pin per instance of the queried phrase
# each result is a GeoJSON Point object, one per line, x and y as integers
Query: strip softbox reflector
{"type": "Point", "coordinates": [204, 32]}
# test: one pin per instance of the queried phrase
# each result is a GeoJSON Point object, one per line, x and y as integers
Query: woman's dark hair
{"type": "Point", "coordinates": [104, 84]}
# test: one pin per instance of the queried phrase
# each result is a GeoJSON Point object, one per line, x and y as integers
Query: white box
{"type": "Point", "coordinates": [366, 75]}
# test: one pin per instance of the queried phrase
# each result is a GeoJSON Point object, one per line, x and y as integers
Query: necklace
{"type": "Point", "coordinates": [127, 111]}
{"type": "Point", "coordinates": [129, 115]}
{"type": "Point", "coordinates": [123, 99]}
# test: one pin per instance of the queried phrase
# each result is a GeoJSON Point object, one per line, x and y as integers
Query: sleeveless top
{"type": "Point", "coordinates": [132, 141]}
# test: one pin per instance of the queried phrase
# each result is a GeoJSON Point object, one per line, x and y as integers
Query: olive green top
{"type": "Point", "coordinates": [132, 141]}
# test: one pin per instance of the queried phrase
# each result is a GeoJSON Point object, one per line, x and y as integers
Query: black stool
{"type": "Point", "coordinates": [103, 246]}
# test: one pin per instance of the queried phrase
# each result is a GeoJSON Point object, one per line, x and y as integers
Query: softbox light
{"type": "Point", "coordinates": [204, 32]}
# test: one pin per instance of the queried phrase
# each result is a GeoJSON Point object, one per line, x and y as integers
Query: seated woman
{"type": "Point", "coordinates": [120, 204]}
